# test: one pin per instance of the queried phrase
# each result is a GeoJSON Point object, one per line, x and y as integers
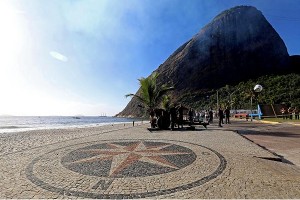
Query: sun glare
{"type": "Point", "coordinates": [11, 38]}
{"type": "Point", "coordinates": [11, 43]}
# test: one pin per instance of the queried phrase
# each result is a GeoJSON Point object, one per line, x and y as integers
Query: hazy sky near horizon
{"type": "Point", "coordinates": [70, 57]}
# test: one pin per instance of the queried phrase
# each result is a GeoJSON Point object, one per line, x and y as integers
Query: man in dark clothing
{"type": "Point", "coordinates": [227, 115]}
{"type": "Point", "coordinates": [180, 119]}
{"type": "Point", "coordinates": [173, 113]}
{"type": "Point", "coordinates": [191, 116]}
{"type": "Point", "coordinates": [211, 116]}
{"type": "Point", "coordinates": [221, 116]}
{"type": "Point", "coordinates": [296, 111]}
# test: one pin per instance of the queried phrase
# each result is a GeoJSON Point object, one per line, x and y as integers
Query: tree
{"type": "Point", "coordinates": [166, 102]}
{"type": "Point", "coordinates": [150, 93]}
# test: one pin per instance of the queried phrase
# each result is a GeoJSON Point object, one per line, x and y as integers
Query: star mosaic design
{"type": "Point", "coordinates": [122, 156]}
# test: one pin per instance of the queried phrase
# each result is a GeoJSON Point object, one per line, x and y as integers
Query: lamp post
{"type": "Point", "coordinates": [257, 89]}
{"type": "Point", "coordinates": [230, 97]}
{"type": "Point", "coordinates": [217, 99]}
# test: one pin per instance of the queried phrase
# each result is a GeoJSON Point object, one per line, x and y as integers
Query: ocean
{"type": "Point", "coordinates": [9, 124]}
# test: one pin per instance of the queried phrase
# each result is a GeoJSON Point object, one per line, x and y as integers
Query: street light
{"type": "Point", "coordinates": [257, 89]}
{"type": "Point", "coordinates": [230, 97]}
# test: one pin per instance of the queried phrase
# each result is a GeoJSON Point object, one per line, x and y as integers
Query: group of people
{"type": "Point", "coordinates": [224, 114]}
{"type": "Point", "coordinates": [177, 112]}
{"type": "Point", "coordinates": [175, 116]}
{"type": "Point", "coordinates": [204, 115]}
{"type": "Point", "coordinates": [288, 113]}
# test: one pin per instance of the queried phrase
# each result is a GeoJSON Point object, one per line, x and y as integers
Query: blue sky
{"type": "Point", "coordinates": [69, 57]}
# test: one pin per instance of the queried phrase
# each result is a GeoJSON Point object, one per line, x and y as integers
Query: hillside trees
{"type": "Point", "coordinates": [277, 89]}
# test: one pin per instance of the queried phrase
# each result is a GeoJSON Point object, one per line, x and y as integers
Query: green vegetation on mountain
{"type": "Point", "coordinates": [277, 89]}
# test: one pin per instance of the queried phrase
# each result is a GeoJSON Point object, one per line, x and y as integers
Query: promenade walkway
{"type": "Point", "coordinates": [132, 162]}
{"type": "Point", "coordinates": [282, 139]}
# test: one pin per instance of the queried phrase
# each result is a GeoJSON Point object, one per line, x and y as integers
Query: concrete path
{"type": "Point", "coordinates": [282, 139]}
{"type": "Point", "coordinates": [131, 162]}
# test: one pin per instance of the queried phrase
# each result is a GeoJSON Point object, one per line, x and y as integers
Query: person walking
{"type": "Point", "coordinates": [173, 113]}
{"type": "Point", "coordinates": [296, 111]}
{"type": "Point", "coordinates": [282, 110]}
{"type": "Point", "coordinates": [206, 116]}
{"type": "Point", "coordinates": [227, 115]}
{"type": "Point", "coordinates": [191, 116]}
{"type": "Point", "coordinates": [221, 116]}
{"type": "Point", "coordinates": [153, 119]}
{"type": "Point", "coordinates": [180, 118]}
{"type": "Point", "coordinates": [211, 116]}
{"type": "Point", "coordinates": [290, 112]}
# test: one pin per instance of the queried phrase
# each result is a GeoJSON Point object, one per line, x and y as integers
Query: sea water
{"type": "Point", "coordinates": [10, 124]}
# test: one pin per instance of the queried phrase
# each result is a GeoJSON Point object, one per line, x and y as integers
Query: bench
{"type": "Point", "coordinates": [204, 124]}
{"type": "Point", "coordinates": [241, 115]}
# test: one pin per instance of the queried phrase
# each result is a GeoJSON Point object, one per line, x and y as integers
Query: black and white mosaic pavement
{"type": "Point", "coordinates": [125, 168]}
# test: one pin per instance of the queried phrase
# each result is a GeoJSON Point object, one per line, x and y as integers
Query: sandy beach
{"type": "Point", "coordinates": [131, 162]}
{"type": "Point", "coordinates": [20, 141]}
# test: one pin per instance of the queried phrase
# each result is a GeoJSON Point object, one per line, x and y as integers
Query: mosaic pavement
{"type": "Point", "coordinates": [134, 163]}
{"type": "Point", "coordinates": [104, 166]}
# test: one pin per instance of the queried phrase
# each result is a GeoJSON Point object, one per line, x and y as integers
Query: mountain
{"type": "Point", "coordinates": [237, 45]}
{"type": "Point", "coordinates": [295, 64]}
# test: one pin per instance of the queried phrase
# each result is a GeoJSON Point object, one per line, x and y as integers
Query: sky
{"type": "Point", "coordinates": [80, 57]}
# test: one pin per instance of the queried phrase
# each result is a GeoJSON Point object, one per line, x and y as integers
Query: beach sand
{"type": "Point", "coordinates": [90, 163]}
{"type": "Point", "coordinates": [20, 141]}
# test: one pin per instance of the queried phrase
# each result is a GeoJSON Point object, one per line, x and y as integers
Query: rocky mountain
{"type": "Point", "coordinates": [295, 64]}
{"type": "Point", "coordinates": [238, 44]}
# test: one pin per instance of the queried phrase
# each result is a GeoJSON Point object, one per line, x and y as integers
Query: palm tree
{"type": "Point", "coordinates": [150, 93]}
{"type": "Point", "coordinates": [166, 102]}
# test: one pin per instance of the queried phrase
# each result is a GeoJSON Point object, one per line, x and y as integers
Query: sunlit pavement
{"type": "Point", "coordinates": [282, 139]}
{"type": "Point", "coordinates": [132, 162]}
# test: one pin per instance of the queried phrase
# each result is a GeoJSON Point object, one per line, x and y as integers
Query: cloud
{"type": "Point", "coordinates": [58, 56]}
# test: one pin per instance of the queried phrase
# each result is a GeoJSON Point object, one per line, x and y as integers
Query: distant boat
{"type": "Point", "coordinates": [76, 117]}
{"type": "Point", "coordinates": [103, 115]}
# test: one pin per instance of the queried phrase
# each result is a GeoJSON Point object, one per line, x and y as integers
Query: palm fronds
{"type": "Point", "coordinates": [150, 93]}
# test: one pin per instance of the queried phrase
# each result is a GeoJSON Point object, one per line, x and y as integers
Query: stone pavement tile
{"type": "Point", "coordinates": [136, 163]}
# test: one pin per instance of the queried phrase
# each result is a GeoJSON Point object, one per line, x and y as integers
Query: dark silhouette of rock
{"type": "Point", "coordinates": [237, 45]}
{"type": "Point", "coordinates": [295, 64]}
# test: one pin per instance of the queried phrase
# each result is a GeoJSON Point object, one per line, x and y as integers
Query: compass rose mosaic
{"type": "Point", "coordinates": [125, 168]}
{"type": "Point", "coordinates": [128, 159]}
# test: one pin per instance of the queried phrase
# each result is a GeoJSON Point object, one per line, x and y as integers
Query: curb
{"type": "Point", "coordinates": [268, 122]}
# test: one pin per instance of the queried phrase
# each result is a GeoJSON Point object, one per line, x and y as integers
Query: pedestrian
{"type": "Point", "coordinates": [197, 117]}
{"type": "Point", "coordinates": [191, 116]}
{"type": "Point", "coordinates": [290, 112]}
{"type": "Point", "coordinates": [227, 115]}
{"type": "Point", "coordinates": [282, 110]}
{"type": "Point", "coordinates": [180, 116]}
{"type": "Point", "coordinates": [173, 113]}
{"type": "Point", "coordinates": [221, 116]}
{"type": "Point", "coordinates": [206, 116]}
{"type": "Point", "coordinates": [296, 111]}
{"type": "Point", "coordinates": [153, 119]}
{"type": "Point", "coordinates": [211, 116]}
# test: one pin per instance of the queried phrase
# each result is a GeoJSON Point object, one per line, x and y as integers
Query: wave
{"type": "Point", "coordinates": [12, 127]}
{"type": "Point", "coordinates": [22, 123]}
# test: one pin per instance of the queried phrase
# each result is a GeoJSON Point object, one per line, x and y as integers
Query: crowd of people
{"type": "Point", "coordinates": [177, 115]}
{"type": "Point", "coordinates": [290, 112]}
{"type": "Point", "coordinates": [180, 114]}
